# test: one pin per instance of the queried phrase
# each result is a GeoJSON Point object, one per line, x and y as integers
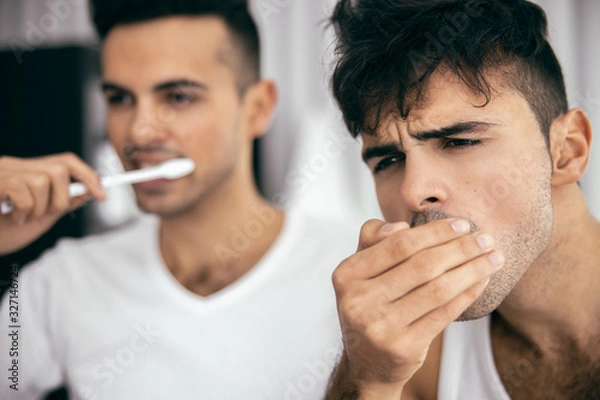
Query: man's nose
{"type": "Point", "coordinates": [424, 185]}
{"type": "Point", "coordinates": [148, 126]}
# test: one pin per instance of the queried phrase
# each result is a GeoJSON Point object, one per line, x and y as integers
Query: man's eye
{"type": "Point", "coordinates": [461, 143]}
{"type": "Point", "coordinates": [119, 99]}
{"type": "Point", "coordinates": [179, 98]}
{"type": "Point", "coordinates": [387, 162]}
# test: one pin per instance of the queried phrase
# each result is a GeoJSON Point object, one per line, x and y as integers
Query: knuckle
{"type": "Point", "coordinates": [368, 229]}
{"type": "Point", "coordinates": [355, 306]}
{"type": "Point", "coordinates": [39, 181]}
{"type": "Point", "coordinates": [13, 184]}
{"type": "Point", "coordinates": [57, 171]}
{"type": "Point", "coordinates": [69, 156]}
{"type": "Point", "coordinates": [401, 246]}
{"type": "Point", "coordinates": [424, 264]}
{"type": "Point", "coordinates": [370, 224]}
{"type": "Point", "coordinates": [351, 309]}
{"type": "Point", "coordinates": [340, 276]}
{"type": "Point", "coordinates": [376, 332]}
{"type": "Point", "coordinates": [439, 291]}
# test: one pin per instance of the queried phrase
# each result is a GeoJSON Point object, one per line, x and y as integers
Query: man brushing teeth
{"type": "Point", "coordinates": [222, 295]}
{"type": "Point", "coordinates": [136, 158]}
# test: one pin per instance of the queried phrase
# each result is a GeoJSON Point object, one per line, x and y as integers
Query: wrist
{"type": "Point", "coordinates": [379, 391]}
{"type": "Point", "coordinates": [354, 385]}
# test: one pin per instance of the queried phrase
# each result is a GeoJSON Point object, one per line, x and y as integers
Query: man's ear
{"type": "Point", "coordinates": [260, 101]}
{"type": "Point", "coordinates": [570, 141]}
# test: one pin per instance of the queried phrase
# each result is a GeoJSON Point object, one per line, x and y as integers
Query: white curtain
{"type": "Point", "coordinates": [310, 160]}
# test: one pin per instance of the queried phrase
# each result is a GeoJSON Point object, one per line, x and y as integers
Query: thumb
{"type": "Point", "coordinates": [375, 230]}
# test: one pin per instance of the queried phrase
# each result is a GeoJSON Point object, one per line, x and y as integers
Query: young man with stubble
{"type": "Point", "coordinates": [482, 282]}
{"type": "Point", "coordinates": [154, 310]}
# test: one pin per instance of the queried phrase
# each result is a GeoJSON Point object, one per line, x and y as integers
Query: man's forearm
{"type": "Point", "coordinates": [345, 386]}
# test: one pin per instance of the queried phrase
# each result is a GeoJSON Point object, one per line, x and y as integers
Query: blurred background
{"type": "Point", "coordinates": [50, 102]}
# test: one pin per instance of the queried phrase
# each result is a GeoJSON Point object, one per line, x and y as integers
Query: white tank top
{"type": "Point", "coordinates": [467, 369]}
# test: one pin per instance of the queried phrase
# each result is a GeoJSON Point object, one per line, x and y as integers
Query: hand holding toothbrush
{"type": "Point", "coordinates": [36, 192]}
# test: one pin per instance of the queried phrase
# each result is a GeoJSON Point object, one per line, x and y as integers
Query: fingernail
{"type": "Point", "coordinates": [22, 221]}
{"type": "Point", "coordinates": [485, 281]}
{"type": "Point", "coordinates": [496, 258]}
{"type": "Point", "coordinates": [485, 241]}
{"type": "Point", "coordinates": [461, 226]}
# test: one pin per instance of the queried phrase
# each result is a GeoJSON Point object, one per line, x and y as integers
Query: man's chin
{"type": "Point", "coordinates": [163, 209]}
{"type": "Point", "coordinates": [483, 306]}
{"type": "Point", "coordinates": [470, 316]}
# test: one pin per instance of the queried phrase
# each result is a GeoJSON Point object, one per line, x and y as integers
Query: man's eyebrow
{"type": "Point", "coordinates": [456, 129]}
{"type": "Point", "coordinates": [106, 86]}
{"type": "Point", "coordinates": [379, 151]}
{"type": "Point", "coordinates": [177, 83]}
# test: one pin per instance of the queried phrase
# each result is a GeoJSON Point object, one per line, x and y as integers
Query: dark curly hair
{"type": "Point", "coordinates": [243, 31]}
{"type": "Point", "coordinates": [388, 49]}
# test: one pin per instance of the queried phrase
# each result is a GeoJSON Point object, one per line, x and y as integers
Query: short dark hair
{"type": "Point", "coordinates": [241, 26]}
{"type": "Point", "coordinates": [388, 49]}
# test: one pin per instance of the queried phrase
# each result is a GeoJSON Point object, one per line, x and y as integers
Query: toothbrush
{"type": "Point", "coordinates": [172, 169]}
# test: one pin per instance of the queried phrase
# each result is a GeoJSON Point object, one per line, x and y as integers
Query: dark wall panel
{"type": "Point", "coordinates": [42, 112]}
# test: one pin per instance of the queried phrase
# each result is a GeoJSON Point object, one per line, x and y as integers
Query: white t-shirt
{"type": "Point", "coordinates": [467, 369]}
{"type": "Point", "coordinates": [105, 317]}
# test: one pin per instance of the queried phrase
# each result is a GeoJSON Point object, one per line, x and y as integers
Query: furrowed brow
{"type": "Point", "coordinates": [456, 129]}
{"type": "Point", "coordinates": [379, 151]}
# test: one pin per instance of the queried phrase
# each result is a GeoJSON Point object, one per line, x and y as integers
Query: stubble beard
{"type": "Point", "coordinates": [521, 246]}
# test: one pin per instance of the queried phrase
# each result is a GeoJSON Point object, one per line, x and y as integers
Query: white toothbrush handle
{"type": "Point", "coordinates": [78, 188]}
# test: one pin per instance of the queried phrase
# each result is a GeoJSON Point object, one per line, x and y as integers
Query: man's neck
{"type": "Point", "coordinates": [557, 300]}
{"type": "Point", "coordinates": [213, 245]}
